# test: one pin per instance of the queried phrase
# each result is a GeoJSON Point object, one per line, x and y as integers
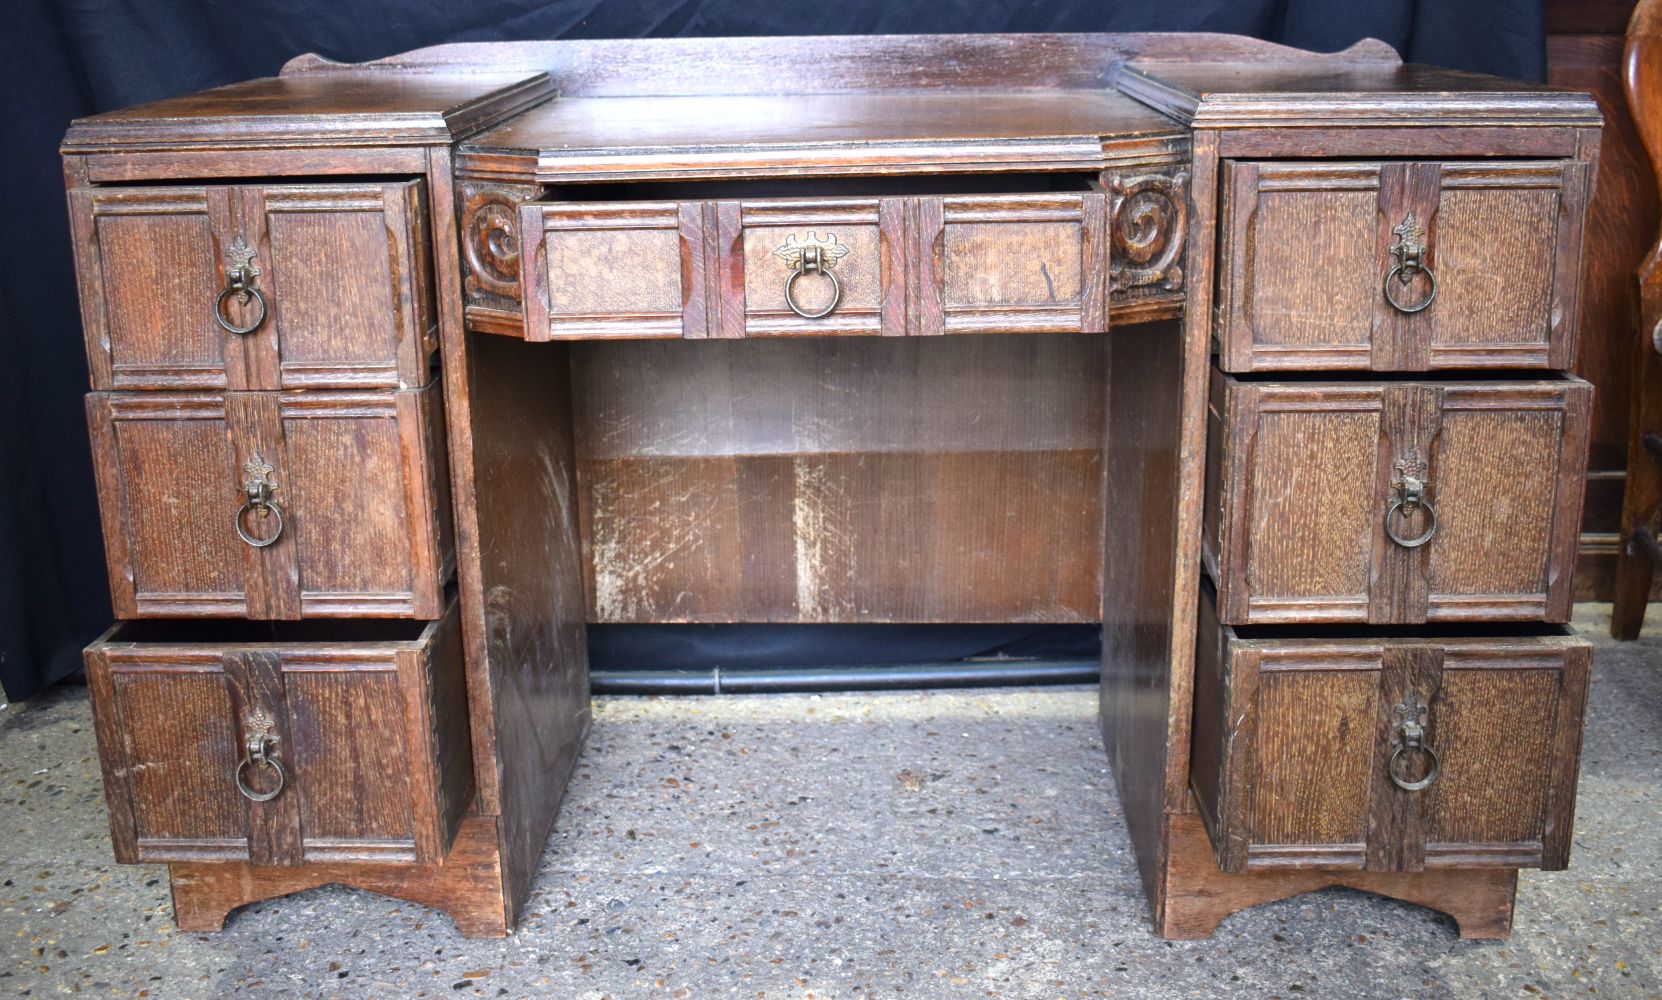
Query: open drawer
{"type": "Point", "coordinates": [1398, 753]}
{"type": "Point", "coordinates": [282, 744]}
{"type": "Point", "coordinates": [713, 261]}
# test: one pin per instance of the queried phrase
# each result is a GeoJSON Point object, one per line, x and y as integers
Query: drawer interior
{"type": "Point", "coordinates": [240, 632]}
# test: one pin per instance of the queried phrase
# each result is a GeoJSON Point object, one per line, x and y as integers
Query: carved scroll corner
{"type": "Point", "coordinates": [490, 237]}
{"type": "Point", "coordinates": [1148, 224]}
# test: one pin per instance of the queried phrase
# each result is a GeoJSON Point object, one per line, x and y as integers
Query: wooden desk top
{"type": "Point", "coordinates": [912, 130]}
{"type": "Point", "coordinates": [690, 107]}
{"type": "Point", "coordinates": [370, 108]}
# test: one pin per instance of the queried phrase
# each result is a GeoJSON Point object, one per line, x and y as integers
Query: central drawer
{"type": "Point", "coordinates": [756, 267]}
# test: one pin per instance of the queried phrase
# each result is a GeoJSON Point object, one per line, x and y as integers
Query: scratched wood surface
{"type": "Point", "coordinates": [841, 481]}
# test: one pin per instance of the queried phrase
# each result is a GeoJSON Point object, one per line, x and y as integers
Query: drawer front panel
{"type": "Point", "coordinates": [1297, 741]}
{"type": "Point", "coordinates": [337, 281]}
{"type": "Point", "coordinates": [885, 266]}
{"type": "Point", "coordinates": [358, 515]}
{"type": "Point", "coordinates": [1322, 490]}
{"type": "Point", "coordinates": [370, 739]}
{"type": "Point", "coordinates": [1488, 256]}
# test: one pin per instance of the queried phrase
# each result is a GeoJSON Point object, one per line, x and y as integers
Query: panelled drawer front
{"type": "Point", "coordinates": [891, 266]}
{"type": "Point", "coordinates": [371, 739]}
{"type": "Point", "coordinates": [1295, 742]}
{"type": "Point", "coordinates": [1309, 247]}
{"type": "Point", "coordinates": [336, 276]}
{"type": "Point", "coordinates": [1303, 476]}
{"type": "Point", "coordinates": [359, 503]}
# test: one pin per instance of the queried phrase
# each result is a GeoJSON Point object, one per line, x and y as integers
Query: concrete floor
{"type": "Point", "coordinates": [930, 845]}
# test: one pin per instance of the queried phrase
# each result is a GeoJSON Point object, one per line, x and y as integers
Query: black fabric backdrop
{"type": "Point", "coordinates": [66, 58]}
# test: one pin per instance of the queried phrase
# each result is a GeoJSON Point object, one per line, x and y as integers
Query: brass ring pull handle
{"type": "Point", "coordinates": [257, 488]}
{"type": "Point", "coordinates": [1409, 486]}
{"type": "Point", "coordinates": [276, 768]}
{"type": "Point", "coordinates": [811, 261]}
{"type": "Point", "coordinates": [259, 753]}
{"type": "Point", "coordinates": [267, 508]}
{"type": "Point", "coordinates": [1404, 276]}
{"type": "Point", "coordinates": [245, 292]}
{"type": "Point", "coordinates": [1409, 250]}
{"type": "Point", "coordinates": [240, 273]}
{"type": "Point", "coordinates": [1401, 507]}
{"type": "Point", "coordinates": [1399, 755]}
{"type": "Point", "coordinates": [1410, 736]}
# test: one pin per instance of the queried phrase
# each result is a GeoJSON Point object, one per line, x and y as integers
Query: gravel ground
{"type": "Point", "coordinates": [937, 844]}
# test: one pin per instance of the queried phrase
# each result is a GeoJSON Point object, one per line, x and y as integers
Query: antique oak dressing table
{"type": "Point", "coordinates": [404, 372]}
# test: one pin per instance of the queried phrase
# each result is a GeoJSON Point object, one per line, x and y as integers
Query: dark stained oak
{"type": "Point", "coordinates": [903, 266]}
{"type": "Point", "coordinates": [172, 469]}
{"type": "Point", "coordinates": [342, 271]}
{"type": "Point", "coordinates": [796, 462]}
{"type": "Point", "coordinates": [375, 109]}
{"type": "Point", "coordinates": [467, 884]}
{"type": "Point", "coordinates": [1294, 740]}
{"type": "Point", "coordinates": [367, 723]}
{"type": "Point", "coordinates": [883, 132]}
{"type": "Point", "coordinates": [1309, 246]}
{"type": "Point", "coordinates": [686, 447]}
{"type": "Point", "coordinates": [1299, 504]}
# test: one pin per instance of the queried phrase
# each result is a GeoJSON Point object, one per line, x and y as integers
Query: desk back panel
{"type": "Point", "coordinates": [841, 480]}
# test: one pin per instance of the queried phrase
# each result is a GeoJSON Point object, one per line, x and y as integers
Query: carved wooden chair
{"type": "Point", "coordinates": [1641, 553]}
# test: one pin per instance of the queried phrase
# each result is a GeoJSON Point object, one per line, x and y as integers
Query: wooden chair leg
{"type": "Point", "coordinates": [1641, 500]}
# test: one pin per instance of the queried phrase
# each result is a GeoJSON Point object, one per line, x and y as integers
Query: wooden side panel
{"type": "Point", "coordinates": [530, 568]}
{"type": "Point", "coordinates": [437, 711]}
{"type": "Point", "coordinates": [1141, 548]}
{"type": "Point", "coordinates": [168, 493]}
{"type": "Point", "coordinates": [350, 300]}
{"type": "Point", "coordinates": [150, 265]}
{"type": "Point", "coordinates": [1019, 263]}
{"type": "Point", "coordinates": [609, 270]}
{"type": "Point", "coordinates": [178, 748]}
{"type": "Point", "coordinates": [1299, 285]}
